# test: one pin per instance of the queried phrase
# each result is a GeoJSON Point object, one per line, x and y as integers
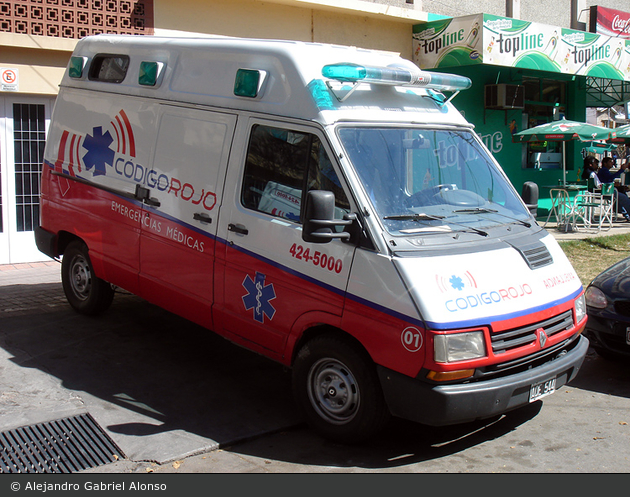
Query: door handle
{"type": "Point", "coordinates": [238, 228]}
{"type": "Point", "coordinates": [202, 216]}
{"type": "Point", "coordinates": [143, 193]}
{"type": "Point", "coordinates": [153, 202]}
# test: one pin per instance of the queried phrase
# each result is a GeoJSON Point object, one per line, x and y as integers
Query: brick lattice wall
{"type": "Point", "coordinates": [76, 18]}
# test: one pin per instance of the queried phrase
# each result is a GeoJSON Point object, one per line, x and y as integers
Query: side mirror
{"type": "Point", "coordinates": [319, 219]}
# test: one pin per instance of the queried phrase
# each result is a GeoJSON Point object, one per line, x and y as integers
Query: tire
{"type": "Point", "coordinates": [86, 293]}
{"type": "Point", "coordinates": [336, 386]}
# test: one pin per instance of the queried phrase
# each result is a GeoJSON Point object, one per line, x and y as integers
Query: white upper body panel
{"type": "Point", "coordinates": [202, 71]}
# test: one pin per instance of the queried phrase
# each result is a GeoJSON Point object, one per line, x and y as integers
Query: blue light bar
{"type": "Point", "coordinates": [397, 76]}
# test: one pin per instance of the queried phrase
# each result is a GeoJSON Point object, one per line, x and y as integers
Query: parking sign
{"type": "Point", "coordinates": [9, 79]}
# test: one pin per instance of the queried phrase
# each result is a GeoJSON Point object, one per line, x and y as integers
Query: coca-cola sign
{"type": "Point", "coordinates": [609, 22]}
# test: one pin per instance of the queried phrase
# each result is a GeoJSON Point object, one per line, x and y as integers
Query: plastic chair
{"type": "Point", "coordinates": [561, 209]}
{"type": "Point", "coordinates": [607, 208]}
{"type": "Point", "coordinates": [594, 210]}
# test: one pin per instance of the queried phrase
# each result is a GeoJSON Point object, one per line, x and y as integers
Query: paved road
{"type": "Point", "coordinates": [161, 387]}
{"type": "Point", "coordinates": [582, 428]}
{"type": "Point", "coordinates": [176, 398]}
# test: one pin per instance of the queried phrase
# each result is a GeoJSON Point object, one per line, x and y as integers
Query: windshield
{"type": "Point", "coordinates": [424, 180]}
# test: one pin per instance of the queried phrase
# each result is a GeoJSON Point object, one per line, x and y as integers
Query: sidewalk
{"type": "Point", "coordinates": [30, 288]}
{"type": "Point", "coordinates": [6, 268]}
{"type": "Point", "coordinates": [619, 228]}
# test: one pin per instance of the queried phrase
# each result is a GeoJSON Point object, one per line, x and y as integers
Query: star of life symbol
{"type": "Point", "coordinates": [98, 152]}
{"type": "Point", "coordinates": [258, 297]}
{"type": "Point", "coordinates": [455, 282]}
{"type": "Point", "coordinates": [100, 147]}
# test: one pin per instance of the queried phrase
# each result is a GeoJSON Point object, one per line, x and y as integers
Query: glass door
{"type": "Point", "coordinates": [23, 126]}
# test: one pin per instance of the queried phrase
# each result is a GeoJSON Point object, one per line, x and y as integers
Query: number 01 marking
{"type": "Point", "coordinates": [411, 339]}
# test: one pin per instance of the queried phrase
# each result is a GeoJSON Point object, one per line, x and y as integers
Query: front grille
{"type": "Point", "coordinates": [507, 340]}
{"type": "Point", "coordinates": [527, 362]}
{"type": "Point", "coordinates": [622, 307]}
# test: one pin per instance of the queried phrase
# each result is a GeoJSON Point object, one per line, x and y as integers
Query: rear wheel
{"type": "Point", "coordinates": [336, 385]}
{"type": "Point", "coordinates": [86, 293]}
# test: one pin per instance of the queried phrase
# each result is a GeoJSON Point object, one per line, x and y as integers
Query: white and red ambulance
{"type": "Point", "coordinates": [324, 206]}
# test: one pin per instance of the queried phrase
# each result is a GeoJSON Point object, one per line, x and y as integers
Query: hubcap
{"type": "Point", "coordinates": [80, 278]}
{"type": "Point", "coordinates": [333, 391]}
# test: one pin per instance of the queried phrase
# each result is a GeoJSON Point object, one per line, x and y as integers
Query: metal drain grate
{"type": "Point", "coordinates": [62, 446]}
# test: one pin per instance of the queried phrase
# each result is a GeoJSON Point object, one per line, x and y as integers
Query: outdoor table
{"type": "Point", "coordinates": [562, 205]}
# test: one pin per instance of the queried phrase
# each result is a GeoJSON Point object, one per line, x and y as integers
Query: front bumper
{"type": "Point", "coordinates": [440, 405]}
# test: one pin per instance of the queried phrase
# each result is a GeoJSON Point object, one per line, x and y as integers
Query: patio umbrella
{"type": "Point", "coordinates": [622, 134]}
{"type": "Point", "coordinates": [563, 131]}
{"type": "Point", "coordinates": [600, 148]}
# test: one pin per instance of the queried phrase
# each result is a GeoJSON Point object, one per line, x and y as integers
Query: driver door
{"type": "Point", "coordinates": [273, 278]}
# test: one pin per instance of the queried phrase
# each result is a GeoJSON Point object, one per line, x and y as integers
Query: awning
{"type": "Point", "coordinates": [502, 41]}
{"type": "Point", "coordinates": [606, 92]}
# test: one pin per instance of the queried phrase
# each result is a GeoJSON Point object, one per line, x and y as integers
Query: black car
{"type": "Point", "coordinates": [608, 309]}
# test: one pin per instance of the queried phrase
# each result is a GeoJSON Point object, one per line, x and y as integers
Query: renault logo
{"type": "Point", "coordinates": [542, 338]}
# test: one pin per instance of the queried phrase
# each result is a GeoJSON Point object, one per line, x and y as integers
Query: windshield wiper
{"type": "Point", "coordinates": [484, 210]}
{"type": "Point", "coordinates": [429, 217]}
{"type": "Point", "coordinates": [414, 217]}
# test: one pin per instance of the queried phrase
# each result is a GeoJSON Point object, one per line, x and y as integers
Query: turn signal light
{"type": "Point", "coordinates": [450, 375]}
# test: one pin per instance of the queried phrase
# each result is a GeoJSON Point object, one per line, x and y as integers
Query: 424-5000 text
{"type": "Point", "coordinates": [317, 258]}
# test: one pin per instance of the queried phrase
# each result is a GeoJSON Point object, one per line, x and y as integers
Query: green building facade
{"type": "Point", "coordinates": [524, 74]}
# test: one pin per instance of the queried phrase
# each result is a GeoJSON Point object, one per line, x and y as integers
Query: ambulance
{"type": "Point", "coordinates": [324, 206]}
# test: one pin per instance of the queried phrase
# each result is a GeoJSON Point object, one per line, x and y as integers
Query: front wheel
{"type": "Point", "coordinates": [86, 293]}
{"type": "Point", "coordinates": [337, 387]}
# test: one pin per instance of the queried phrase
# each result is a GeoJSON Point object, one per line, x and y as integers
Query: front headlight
{"type": "Point", "coordinates": [459, 346]}
{"type": "Point", "coordinates": [595, 298]}
{"type": "Point", "coordinates": [580, 308]}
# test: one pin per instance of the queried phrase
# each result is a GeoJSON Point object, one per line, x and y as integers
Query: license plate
{"type": "Point", "coordinates": [542, 389]}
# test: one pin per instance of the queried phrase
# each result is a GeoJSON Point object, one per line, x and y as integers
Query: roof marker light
{"type": "Point", "coordinates": [149, 73]}
{"type": "Point", "coordinates": [75, 68]}
{"type": "Point", "coordinates": [398, 76]}
{"type": "Point", "coordinates": [249, 82]}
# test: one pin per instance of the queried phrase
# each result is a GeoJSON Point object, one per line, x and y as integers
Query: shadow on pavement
{"type": "Point", "coordinates": [167, 374]}
{"type": "Point", "coordinates": [403, 443]}
{"type": "Point", "coordinates": [607, 376]}
{"type": "Point", "coordinates": [144, 359]}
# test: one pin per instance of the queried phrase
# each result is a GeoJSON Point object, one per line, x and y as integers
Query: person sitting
{"type": "Point", "coordinates": [590, 164]}
{"type": "Point", "coordinates": [605, 176]}
{"type": "Point", "coordinates": [621, 199]}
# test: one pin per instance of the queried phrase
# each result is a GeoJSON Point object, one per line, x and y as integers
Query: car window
{"type": "Point", "coordinates": [281, 165]}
